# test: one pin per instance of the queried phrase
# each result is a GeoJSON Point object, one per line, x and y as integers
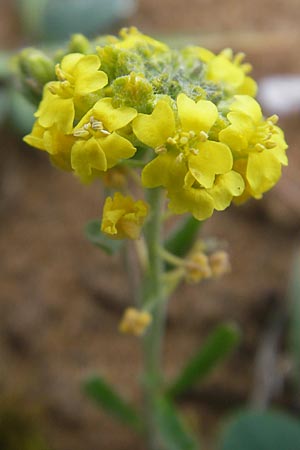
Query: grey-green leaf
{"type": "Point", "coordinates": [262, 431]}
{"type": "Point", "coordinates": [173, 433]}
{"type": "Point", "coordinates": [93, 233]}
{"type": "Point", "coordinates": [222, 340]}
{"type": "Point", "coordinates": [105, 396]}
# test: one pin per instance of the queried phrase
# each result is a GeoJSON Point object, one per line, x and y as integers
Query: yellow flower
{"type": "Point", "coordinates": [78, 77]}
{"type": "Point", "coordinates": [258, 145]}
{"type": "Point", "coordinates": [98, 146]}
{"type": "Point", "coordinates": [196, 171]}
{"type": "Point", "coordinates": [123, 217]}
{"type": "Point", "coordinates": [132, 37]}
{"type": "Point", "coordinates": [135, 322]}
{"type": "Point", "coordinates": [227, 69]}
{"type": "Point", "coordinates": [54, 142]}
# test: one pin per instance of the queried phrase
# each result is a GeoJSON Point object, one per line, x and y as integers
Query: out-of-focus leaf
{"type": "Point", "coordinates": [222, 340]}
{"type": "Point", "coordinates": [294, 305]}
{"type": "Point", "coordinates": [4, 105]}
{"type": "Point", "coordinates": [21, 112]}
{"type": "Point", "coordinates": [4, 65]}
{"type": "Point", "coordinates": [261, 431]}
{"type": "Point", "coordinates": [105, 396]}
{"type": "Point", "coordinates": [93, 233]}
{"type": "Point", "coordinates": [183, 236]}
{"type": "Point", "coordinates": [172, 431]}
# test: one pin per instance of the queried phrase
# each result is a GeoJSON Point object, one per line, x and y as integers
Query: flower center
{"type": "Point", "coordinates": [92, 128]}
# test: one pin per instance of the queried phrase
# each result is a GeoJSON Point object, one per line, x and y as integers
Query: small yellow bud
{"type": "Point", "coordinates": [197, 267]}
{"type": "Point", "coordinates": [123, 217]}
{"type": "Point", "coordinates": [135, 322]}
{"type": "Point", "coordinates": [219, 263]}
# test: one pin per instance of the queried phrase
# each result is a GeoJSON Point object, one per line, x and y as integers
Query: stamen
{"type": "Point", "coordinates": [259, 147]}
{"type": "Point", "coordinates": [161, 149]}
{"type": "Point", "coordinates": [203, 136]}
{"type": "Point", "coordinates": [195, 151]}
{"type": "Point", "coordinates": [81, 132]}
{"type": "Point", "coordinates": [105, 132]}
{"type": "Point", "coordinates": [179, 158]}
{"type": "Point", "coordinates": [184, 140]}
{"type": "Point", "coordinates": [239, 57]}
{"type": "Point", "coordinates": [171, 141]}
{"type": "Point", "coordinates": [273, 119]}
{"type": "Point", "coordinates": [270, 144]}
{"type": "Point", "coordinates": [192, 134]}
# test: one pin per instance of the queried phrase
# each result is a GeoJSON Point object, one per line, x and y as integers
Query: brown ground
{"type": "Point", "coordinates": [61, 299]}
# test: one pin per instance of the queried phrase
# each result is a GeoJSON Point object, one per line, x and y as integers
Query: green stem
{"type": "Point", "coordinates": [152, 291]}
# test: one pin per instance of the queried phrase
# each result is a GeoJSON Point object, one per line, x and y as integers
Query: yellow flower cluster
{"type": "Point", "coordinates": [189, 117]}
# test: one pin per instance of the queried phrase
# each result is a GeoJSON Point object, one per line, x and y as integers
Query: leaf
{"type": "Point", "coordinates": [4, 105]}
{"type": "Point", "coordinates": [172, 431]}
{"type": "Point", "coordinates": [223, 339]}
{"type": "Point", "coordinates": [294, 313]}
{"type": "Point", "coordinates": [261, 431]}
{"type": "Point", "coordinates": [93, 233]}
{"type": "Point", "coordinates": [105, 396]}
{"type": "Point", "coordinates": [182, 238]}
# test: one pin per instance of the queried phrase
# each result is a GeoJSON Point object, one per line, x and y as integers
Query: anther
{"type": "Point", "coordinates": [161, 149]}
{"type": "Point", "coordinates": [203, 136]}
{"type": "Point", "coordinates": [270, 144]}
{"type": "Point", "coordinates": [184, 140]}
{"type": "Point", "coordinates": [179, 158]}
{"type": "Point", "coordinates": [259, 147]}
{"type": "Point", "coordinates": [81, 132]}
{"type": "Point", "coordinates": [171, 141]}
{"type": "Point", "coordinates": [195, 151]}
{"type": "Point", "coordinates": [273, 119]}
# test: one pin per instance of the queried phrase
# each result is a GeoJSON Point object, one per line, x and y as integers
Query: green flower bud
{"type": "Point", "coordinates": [79, 44]}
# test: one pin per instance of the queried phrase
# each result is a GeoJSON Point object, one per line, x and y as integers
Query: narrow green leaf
{"type": "Point", "coordinates": [172, 431]}
{"type": "Point", "coordinates": [294, 307]}
{"type": "Point", "coordinates": [252, 430]}
{"type": "Point", "coordinates": [223, 339]}
{"type": "Point", "coordinates": [183, 236]}
{"type": "Point", "coordinates": [93, 233]}
{"type": "Point", "coordinates": [105, 396]}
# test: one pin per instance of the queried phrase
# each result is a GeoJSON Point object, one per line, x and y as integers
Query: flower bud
{"type": "Point", "coordinates": [219, 263]}
{"type": "Point", "coordinates": [135, 322]}
{"type": "Point", "coordinates": [123, 217]}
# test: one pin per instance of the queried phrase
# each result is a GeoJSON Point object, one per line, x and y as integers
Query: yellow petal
{"type": "Point", "coordinates": [56, 110]}
{"type": "Point", "coordinates": [214, 158]}
{"type": "Point", "coordinates": [247, 105]}
{"type": "Point", "coordinates": [238, 134]}
{"type": "Point", "coordinates": [263, 171]}
{"type": "Point", "coordinates": [249, 87]}
{"type": "Point", "coordinates": [196, 201]}
{"type": "Point", "coordinates": [87, 155]}
{"type": "Point", "coordinates": [164, 170]}
{"type": "Point", "coordinates": [116, 148]}
{"type": "Point", "coordinates": [198, 116]}
{"type": "Point", "coordinates": [113, 118]}
{"type": "Point", "coordinates": [221, 69]}
{"type": "Point", "coordinates": [69, 62]}
{"type": "Point", "coordinates": [229, 185]}
{"type": "Point", "coordinates": [154, 129]}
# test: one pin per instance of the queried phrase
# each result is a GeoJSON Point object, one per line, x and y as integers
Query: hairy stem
{"type": "Point", "coordinates": [152, 291]}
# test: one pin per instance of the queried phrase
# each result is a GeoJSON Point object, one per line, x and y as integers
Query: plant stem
{"type": "Point", "coordinates": [152, 291]}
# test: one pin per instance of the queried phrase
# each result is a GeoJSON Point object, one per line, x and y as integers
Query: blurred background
{"type": "Point", "coordinates": [61, 299]}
